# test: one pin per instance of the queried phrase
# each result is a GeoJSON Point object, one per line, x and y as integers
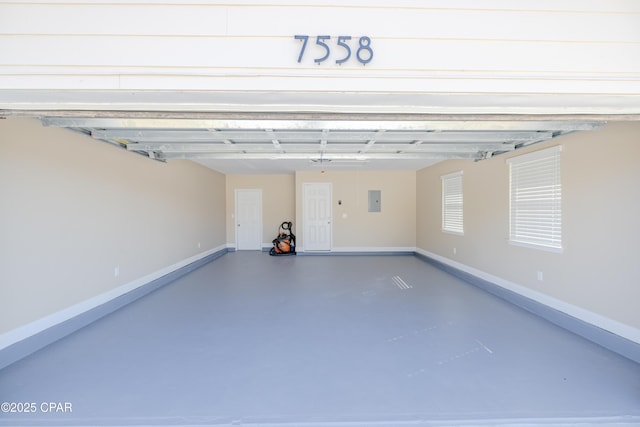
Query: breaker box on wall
{"type": "Point", "coordinates": [374, 201]}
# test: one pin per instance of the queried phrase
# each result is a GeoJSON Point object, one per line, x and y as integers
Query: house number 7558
{"type": "Point", "coordinates": [364, 52]}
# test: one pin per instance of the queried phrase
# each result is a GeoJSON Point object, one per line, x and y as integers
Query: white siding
{"type": "Point", "coordinates": [421, 48]}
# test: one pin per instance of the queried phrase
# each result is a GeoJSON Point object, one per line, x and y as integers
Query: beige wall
{"type": "Point", "coordinates": [394, 227]}
{"type": "Point", "coordinates": [598, 270]}
{"type": "Point", "coordinates": [74, 208]}
{"type": "Point", "coordinates": [278, 202]}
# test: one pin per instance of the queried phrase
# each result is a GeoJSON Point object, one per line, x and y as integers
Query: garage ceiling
{"type": "Point", "coordinates": [282, 144]}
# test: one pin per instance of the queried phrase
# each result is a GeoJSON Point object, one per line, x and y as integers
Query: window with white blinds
{"type": "Point", "coordinates": [452, 203]}
{"type": "Point", "coordinates": [536, 199]}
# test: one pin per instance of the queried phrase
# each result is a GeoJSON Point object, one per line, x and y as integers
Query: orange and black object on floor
{"type": "Point", "coordinates": [285, 243]}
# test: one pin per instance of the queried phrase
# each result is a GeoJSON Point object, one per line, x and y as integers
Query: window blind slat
{"type": "Point", "coordinates": [452, 203]}
{"type": "Point", "coordinates": [536, 198]}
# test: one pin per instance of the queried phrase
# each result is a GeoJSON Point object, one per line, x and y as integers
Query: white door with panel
{"type": "Point", "coordinates": [248, 220]}
{"type": "Point", "coordinates": [317, 216]}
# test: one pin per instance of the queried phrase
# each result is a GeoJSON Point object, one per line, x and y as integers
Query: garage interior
{"type": "Point", "coordinates": [135, 283]}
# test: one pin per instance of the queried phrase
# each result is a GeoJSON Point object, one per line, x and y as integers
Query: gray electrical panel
{"type": "Point", "coordinates": [374, 201]}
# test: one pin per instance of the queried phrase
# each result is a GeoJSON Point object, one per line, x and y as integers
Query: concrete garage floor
{"type": "Point", "coordinates": [251, 339]}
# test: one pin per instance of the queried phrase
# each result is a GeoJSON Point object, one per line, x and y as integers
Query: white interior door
{"type": "Point", "coordinates": [317, 216]}
{"type": "Point", "coordinates": [248, 220]}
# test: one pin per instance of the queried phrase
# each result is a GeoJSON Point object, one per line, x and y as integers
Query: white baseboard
{"type": "Point", "coordinates": [363, 250]}
{"type": "Point", "coordinates": [263, 247]}
{"type": "Point", "coordinates": [610, 325]}
{"type": "Point", "coordinates": [373, 249]}
{"type": "Point", "coordinates": [30, 329]}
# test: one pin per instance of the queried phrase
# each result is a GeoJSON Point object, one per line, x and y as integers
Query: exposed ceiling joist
{"type": "Point", "coordinates": [286, 136]}
{"type": "Point", "coordinates": [377, 141]}
{"type": "Point", "coordinates": [319, 156]}
{"type": "Point", "coordinates": [314, 148]}
{"type": "Point", "coordinates": [350, 125]}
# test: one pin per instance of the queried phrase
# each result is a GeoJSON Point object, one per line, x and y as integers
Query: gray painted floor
{"type": "Point", "coordinates": [338, 340]}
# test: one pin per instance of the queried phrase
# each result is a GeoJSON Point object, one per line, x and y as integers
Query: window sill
{"type": "Point", "coordinates": [456, 233]}
{"type": "Point", "coordinates": [534, 246]}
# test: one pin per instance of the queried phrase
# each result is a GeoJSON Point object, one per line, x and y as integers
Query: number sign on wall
{"type": "Point", "coordinates": [343, 49]}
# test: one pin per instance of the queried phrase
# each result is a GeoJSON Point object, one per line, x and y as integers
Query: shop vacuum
{"type": "Point", "coordinates": [285, 243]}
